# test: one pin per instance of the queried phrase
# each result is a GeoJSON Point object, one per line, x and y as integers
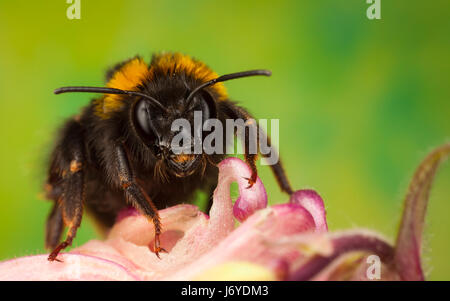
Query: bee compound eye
{"type": "Point", "coordinates": [208, 106]}
{"type": "Point", "coordinates": [143, 119]}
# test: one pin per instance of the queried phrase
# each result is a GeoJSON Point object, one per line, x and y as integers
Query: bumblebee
{"type": "Point", "coordinates": [117, 153]}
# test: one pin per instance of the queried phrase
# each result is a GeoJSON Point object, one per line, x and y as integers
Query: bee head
{"type": "Point", "coordinates": [165, 120]}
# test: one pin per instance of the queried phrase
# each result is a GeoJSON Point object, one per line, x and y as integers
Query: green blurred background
{"type": "Point", "coordinates": [360, 102]}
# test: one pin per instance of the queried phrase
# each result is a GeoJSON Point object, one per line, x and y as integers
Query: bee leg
{"type": "Point", "coordinates": [136, 196]}
{"type": "Point", "coordinates": [278, 169]}
{"type": "Point", "coordinates": [250, 158]}
{"type": "Point", "coordinates": [236, 112]}
{"type": "Point", "coordinates": [71, 202]}
{"type": "Point", "coordinates": [55, 225]}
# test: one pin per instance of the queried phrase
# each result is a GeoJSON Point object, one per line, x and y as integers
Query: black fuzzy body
{"type": "Point", "coordinates": [104, 197]}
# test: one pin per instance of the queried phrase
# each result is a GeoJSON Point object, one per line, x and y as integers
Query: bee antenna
{"type": "Point", "coordinates": [109, 91]}
{"type": "Point", "coordinates": [225, 78]}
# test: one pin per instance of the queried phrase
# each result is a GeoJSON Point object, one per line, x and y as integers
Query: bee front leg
{"type": "Point", "coordinates": [69, 206]}
{"type": "Point", "coordinates": [136, 196]}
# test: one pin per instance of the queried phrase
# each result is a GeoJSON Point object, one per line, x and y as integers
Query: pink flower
{"type": "Point", "coordinates": [282, 242]}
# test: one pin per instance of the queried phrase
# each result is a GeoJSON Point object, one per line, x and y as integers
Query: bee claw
{"type": "Point", "coordinates": [160, 250]}
{"type": "Point", "coordinates": [157, 248]}
{"type": "Point", "coordinates": [251, 182]}
{"type": "Point", "coordinates": [53, 257]}
{"type": "Point", "coordinates": [54, 254]}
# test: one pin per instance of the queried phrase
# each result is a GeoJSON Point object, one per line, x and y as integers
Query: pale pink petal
{"type": "Point", "coordinates": [251, 242]}
{"type": "Point", "coordinates": [74, 267]}
{"type": "Point", "coordinates": [133, 237]}
{"type": "Point", "coordinates": [312, 201]}
{"type": "Point", "coordinates": [250, 199]}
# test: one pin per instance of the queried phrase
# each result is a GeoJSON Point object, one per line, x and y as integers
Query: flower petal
{"type": "Point", "coordinates": [237, 271]}
{"type": "Point", "coordinates": [312, 202]}
{"type": "Point", "coordinates": [250, 199]}
{"type": "Point", "coordinates": [185, 236]}
{"type": "Point", "coordinates": [251, 242]}
{"type": "Point", "coordinates": [73, 267]}
{"type": "Point", "coordinates": [344, 243]}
